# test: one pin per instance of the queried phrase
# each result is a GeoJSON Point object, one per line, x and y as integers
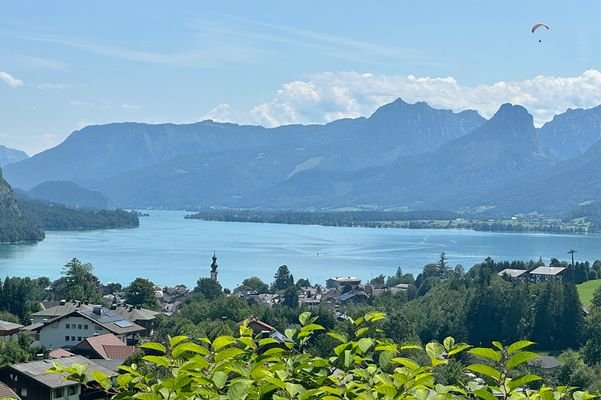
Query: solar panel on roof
{"type": "Point", "coordinates": [123, 324]}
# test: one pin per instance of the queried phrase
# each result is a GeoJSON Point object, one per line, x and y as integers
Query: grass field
{"type": "Point", "coordinates": [586, 290]}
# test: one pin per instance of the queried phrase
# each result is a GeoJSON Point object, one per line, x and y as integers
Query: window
{"type": "Point", "coordinates": [58, 393]}
{"type": "Point", "coordinates": [85, 326]}
{"type": "Point", "coordinates": [78, 326]}
{"type": "Point", "coordinates": [71, 390]}
{"type": "Point", "coordinates": [72, 338]}
{"type": "Point", "coordinates": [67, 326]}
{"type": "Point", "coordinates": [79, 338]}
{"type": "Point", "coordinates": [23, 392]}
{"type": "Point", "coordinates": [66, 338]}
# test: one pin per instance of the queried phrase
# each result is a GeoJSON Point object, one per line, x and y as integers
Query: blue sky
{"type": "Point", "coordinates": [67, 64]}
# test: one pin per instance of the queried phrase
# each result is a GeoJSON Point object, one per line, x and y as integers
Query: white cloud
{"type": "Point", "coordinates": [10, 80]}
{"type": "Point", "coordinates": [53, 86]}
{"type": "Point", "coordinates": [128, 106]}
{"type": "Point", "coordinates": [221, 113]}
{"type": "Point", "coordinates": [329, 96]}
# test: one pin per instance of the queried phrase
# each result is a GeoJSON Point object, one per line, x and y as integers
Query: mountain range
{"type": "Point", "coordinates": [404, 156]}
{"type": "Point", "coordinates": [8, 156]}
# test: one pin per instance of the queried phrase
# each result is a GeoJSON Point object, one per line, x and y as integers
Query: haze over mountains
{"type": "Point", "coordinates": [8, 155]}
{"type": "Point", "coordinates": [403, 156]}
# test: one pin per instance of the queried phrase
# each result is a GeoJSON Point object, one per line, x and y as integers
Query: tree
{"type": "Point", "coordinates": [209, 288]}
{"type": "Point", "coordinates": [16, 350]}
{"type": "Point", "coordinates": [141, 293]}
{"type": "Point", "coordinates": [591, 351]}
{"type": "Point", "coordinates": [442, 268]}
{"type": "Point", "coordinates": [378, 280]}
{"type": "Point", "coordinates": [290, 297]}
{"type": "Point", "coordinates": [368, 368]}
{"type": "Point", "coordinates": [253, 283]}
{"type": "Point", "coordinates": [79, 283]}
{"type": "Point", "coordinates": [302, 282]}
{"type": "Point", "coordinates": [113, 287]}
{"type": "Point", "coordinates": [282, 279]}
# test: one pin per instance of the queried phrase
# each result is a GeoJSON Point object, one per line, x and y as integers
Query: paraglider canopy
{"type": "Point", "coordinates": [536, 26]}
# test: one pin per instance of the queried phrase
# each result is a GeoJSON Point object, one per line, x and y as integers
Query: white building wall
{"type": "Point", "coordinates": [55, 335]}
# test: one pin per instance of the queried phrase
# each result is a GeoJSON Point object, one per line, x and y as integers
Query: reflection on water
{"type": "Point", "coordinates": [168, 249]}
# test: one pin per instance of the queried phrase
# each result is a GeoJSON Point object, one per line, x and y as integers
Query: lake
{"type": "Point", "coordinates": [169, 249]}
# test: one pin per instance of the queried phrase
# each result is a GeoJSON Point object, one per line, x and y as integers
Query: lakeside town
{"type": "Point", "coordinates": [105, 335]}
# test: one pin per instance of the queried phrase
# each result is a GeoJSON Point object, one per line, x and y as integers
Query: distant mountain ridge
{"type": "Point", "coordinates": [403, 156]}
{"type": "Point", "coordinates": [9, 156]}
{"type": "Point", "coordinates": [70, 195]}
{"type": "Point", "coordinates": [13, 226]}
{"type": "Point", "coordinates": [570, 134]}
{"type": "Point", "coordinates": [96, 153]}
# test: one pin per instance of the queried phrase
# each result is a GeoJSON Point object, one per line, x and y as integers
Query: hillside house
{"type": "Point", "coordinates": [31, 380]}
{"type": "Point", "coordinates": [8, 329]}
{"type": "Point", "coordinates": [515, 275]}
{"type": "Point", "coordinates": [544, 274]}
{"type": "Point", "coordinates": [342, 281]}
{"type": "Point", "coordinates": [70, 329]}
{"type": "Point", "coordinates": [105, 347]}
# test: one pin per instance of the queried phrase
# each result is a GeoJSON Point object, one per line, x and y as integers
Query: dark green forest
{"type": "Point", "coordinates": [57, 217]}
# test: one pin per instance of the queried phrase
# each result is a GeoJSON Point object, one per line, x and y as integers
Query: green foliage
{"type": "Point", "coordinates": [282, 279]}
{"type": "Point", "coordinates": [20, 297]}
{"type": "Point", "coordinates": [57, 217]}
{"type": "Point", "coordinates": [19, 230]}
{"type": "Point", "coordinates": [363, 365]}
{"type": "Point", "coordinates": [16, 350]}
{"type": "Point", "coordinates": [141, 293]}
{"type": "Point", "coordinates": [79, 283]}
{"type": "Point", "coordinates": [209, 288]}
{"type": "Point", "coordinates": [253, 283]}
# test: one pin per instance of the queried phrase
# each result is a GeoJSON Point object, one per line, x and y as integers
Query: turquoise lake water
{"type": "Point", "coordinates": [169, 249]}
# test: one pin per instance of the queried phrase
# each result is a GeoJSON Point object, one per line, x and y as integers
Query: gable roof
{"type": "Point", "coordinates": [61, 308]}
{"type": "Point", "coordinates": [60, 353]}
{"type": "Point", "coordinates": [7, 393]}
{"type": "Point", "coordinates": [131, 313]}
{"type": "Point", "coordinates": [8, 328]}
{"type": "Point", "coordinates": [106, 346]}
{"type": "Point", "coordinates": [114, 352]}
{"type": "Point", "coordinates": [253, 321]}
{"type": "Point", "coordinates": [513, 273]}
{"type": "Point", "coordinates": [37, 370]}
{"type": "Point", "coordinates": [108, 319]}
{"type": "Point", "coordinates": [547, 271]}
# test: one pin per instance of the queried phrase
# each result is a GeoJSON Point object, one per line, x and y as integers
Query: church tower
{"type": "Point", "coordinates": [214, 268]}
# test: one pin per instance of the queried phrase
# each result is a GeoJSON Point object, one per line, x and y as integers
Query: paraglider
{"type": "Point", "coordinates": [537, 26]}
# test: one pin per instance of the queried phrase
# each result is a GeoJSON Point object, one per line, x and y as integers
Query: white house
{"type": "Point", "coordinates": [542, 274]}
{"type": "Point", "coordinates": [70, 329]}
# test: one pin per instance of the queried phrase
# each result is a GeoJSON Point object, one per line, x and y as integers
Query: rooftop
{"type": "Point", "coordinates": [513, 273]}
{"type": "Point", "coordinates": [108, 319]}
{"type": "Point", "coordinates": [131, 313]}
{"type": "Point", "coordinates": [107, 346]}
{"type": "Point", "coordinates": [7, 328]}
{"type": "Point", "coordinates": [37, 370]}
{"type": "Point", "coordinates": [60, 353]}
{"type": "Point", "coordinates": [547, 271]}
{"type": "Point", "coordinates": [7, 393]}
{"type": "Point", "coordinates": [54, 309]}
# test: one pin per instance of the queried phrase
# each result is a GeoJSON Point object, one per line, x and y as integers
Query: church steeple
{"type": "Point", "coordinates": [214, 268]}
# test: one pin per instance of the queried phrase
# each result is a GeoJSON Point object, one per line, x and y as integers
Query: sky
{"type": "Point", "coordinates": [68, 64]}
